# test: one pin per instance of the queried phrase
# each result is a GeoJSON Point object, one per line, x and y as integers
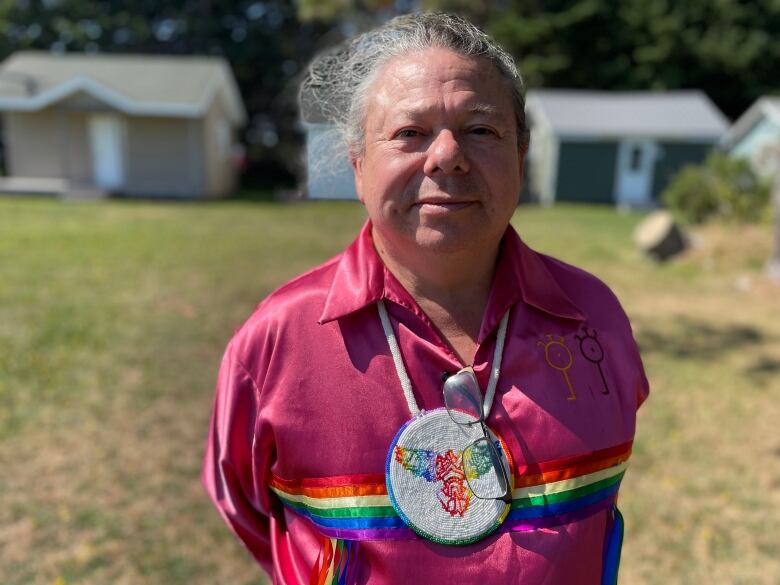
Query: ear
{"type": "Point", "coordinates": [357, 167]}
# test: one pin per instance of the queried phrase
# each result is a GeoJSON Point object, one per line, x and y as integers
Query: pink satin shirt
{"type": "Point", "coordinates": [308, 402]}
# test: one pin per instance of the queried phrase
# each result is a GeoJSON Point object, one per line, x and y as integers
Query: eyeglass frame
{"type": "Point", "coordinates": [507, 496]}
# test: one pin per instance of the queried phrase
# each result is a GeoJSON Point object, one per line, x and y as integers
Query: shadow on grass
{"type": "Point", "coordinates": [764, 367]}
{"type": "Point", "coordinates": [688, 338]}
{"type": "Point", "coordinates": [691, 339]}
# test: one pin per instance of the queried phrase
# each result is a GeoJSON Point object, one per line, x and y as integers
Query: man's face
{"type": "Point", "coordinates": [441, 167]}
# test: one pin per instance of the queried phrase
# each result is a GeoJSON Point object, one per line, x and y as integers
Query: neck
{"type": "Point", "coordinates": [451, 288]}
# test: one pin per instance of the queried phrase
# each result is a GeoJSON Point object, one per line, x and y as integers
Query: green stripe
{"type": "Point", "coordinates": [541, 500]}
{"type": "Point", "coordinates": [338, 568]}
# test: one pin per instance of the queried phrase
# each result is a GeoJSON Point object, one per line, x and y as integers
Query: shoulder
{"type": "Point", "coordinates": [595, 300]}
{"type": "Point", "coordinates": [603, 313]}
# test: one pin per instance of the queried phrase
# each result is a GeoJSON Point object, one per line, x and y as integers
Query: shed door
{"type": "Point", "coordinates": [106, 134]}
{"type": "Point", "coordinates": [634, 181]}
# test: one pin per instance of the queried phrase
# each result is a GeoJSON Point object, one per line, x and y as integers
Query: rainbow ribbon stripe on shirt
{"type": "Point", "coordinates": [547, 494]}
{"type": "Point", "coordinates": [336, 563]}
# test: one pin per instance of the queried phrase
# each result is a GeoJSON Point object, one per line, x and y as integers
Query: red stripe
{"type": "Point", "coordinates": [568, 472]}
{"type": "Point", "coordinates": [577, 460]}
{"type": "Point", "coordinates": [370, 489]}
{"type": "Point", "coordinates": [320, 569]}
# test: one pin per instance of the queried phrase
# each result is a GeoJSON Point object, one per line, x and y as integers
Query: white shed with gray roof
{"type": "Point", "coordinates": [756, 136]}
{"type": "Point", "coordinates": [615, 147]}
{"type": "Point", "coordinates": [144, 125]}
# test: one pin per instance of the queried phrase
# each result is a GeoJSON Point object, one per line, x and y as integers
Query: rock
{"type": "Point", "coordinates": [660, 237]}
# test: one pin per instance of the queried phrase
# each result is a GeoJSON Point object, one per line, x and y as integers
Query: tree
{"type": "Point", "coordinates": [726, 48]}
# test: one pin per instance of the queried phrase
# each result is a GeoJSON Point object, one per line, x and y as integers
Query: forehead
{"type": "Point", "coordinates": [438, 78]}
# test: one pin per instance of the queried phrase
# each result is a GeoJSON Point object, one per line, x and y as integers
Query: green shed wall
{"type": "Point", "coordinates": [586, 172]}
{"type": "Point", "coordinates": [675, 156]}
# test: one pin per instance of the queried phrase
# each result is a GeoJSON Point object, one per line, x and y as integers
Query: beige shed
{"type": "Point", "coordinates": [144, 125]}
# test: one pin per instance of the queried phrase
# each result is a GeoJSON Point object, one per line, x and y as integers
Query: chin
{"type": "Point", "coordinates": [443, 241]}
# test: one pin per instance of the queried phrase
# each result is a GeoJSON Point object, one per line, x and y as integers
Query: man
{"type": "Point", "coordinates": [310, 456]}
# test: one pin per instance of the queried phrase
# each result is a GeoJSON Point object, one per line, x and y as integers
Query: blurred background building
{"type": "Point", "coordinates": [152, 126]}
{"type": "Point", "coordinates": [726, 50]}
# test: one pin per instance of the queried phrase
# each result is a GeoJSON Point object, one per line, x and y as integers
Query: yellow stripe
{"type": "Point", "coordinates": [329, 503]}
{"type": "Point", "coordinates": [329, 576]}
{"type": "Point", "coordinates": [565, 485]}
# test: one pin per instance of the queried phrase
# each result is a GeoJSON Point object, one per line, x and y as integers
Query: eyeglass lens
{"type": "Point", "coordinates": [484, 470]}
{"type": "Point", "coordinates": [463, 398]}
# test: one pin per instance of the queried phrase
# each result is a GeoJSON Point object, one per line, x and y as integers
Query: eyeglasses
{"type": "Point", "coordinates": [485, 472]}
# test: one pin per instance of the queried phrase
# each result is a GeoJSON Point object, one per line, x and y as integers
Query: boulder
{"type": "Point", "coordinates": [660, 237]}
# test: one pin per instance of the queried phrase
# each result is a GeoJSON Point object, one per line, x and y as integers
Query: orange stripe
{"type": "Point", "coordinates": [373, 484]}
{"type": "Point", "coordinates": [561, 474]}
{"type": "Point", "coordinates": [320, 568]}
{"type": "Point", "coordinates": [333, 480]}
{"type": "Point", "coordinates": [339, 492]}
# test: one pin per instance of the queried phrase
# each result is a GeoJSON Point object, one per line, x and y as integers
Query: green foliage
{"type": "Point", "coordinates": [722, 187]}
{"type": "Point", "coordinates": [366, 11]}
{"type": "Point", "coordinates": [727, 48]}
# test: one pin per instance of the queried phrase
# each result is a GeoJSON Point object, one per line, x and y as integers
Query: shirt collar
{"type": "Point", "coordinates": [361, 279]}
{"type": "Point", "coordinates": [523, 275]}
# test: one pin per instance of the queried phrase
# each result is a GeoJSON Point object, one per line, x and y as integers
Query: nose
{"type": "Point", "coordinates": [445, 155]}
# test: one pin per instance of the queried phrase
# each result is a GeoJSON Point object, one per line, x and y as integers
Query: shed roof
{"type": "Point", "coordinates": [764, 107]}
{"type": "Point", "coordinates": [154, 85]}
{"type": "Point", "coordinates": [671, 114]}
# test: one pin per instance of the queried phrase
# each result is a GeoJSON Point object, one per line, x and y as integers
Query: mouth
{"type": "Point", "coordinates": [443, 205]}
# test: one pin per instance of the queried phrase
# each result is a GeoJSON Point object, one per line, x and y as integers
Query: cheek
{"type": "Point", "coordinates": [502, 173]}
{"type": "Point", "coordinates": [393, 178]}
{"type": "Point", "coordinates": [379, 195]}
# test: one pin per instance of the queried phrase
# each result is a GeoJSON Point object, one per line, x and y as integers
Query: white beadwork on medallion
{"type": "Point", "coordinates": [427, 482]}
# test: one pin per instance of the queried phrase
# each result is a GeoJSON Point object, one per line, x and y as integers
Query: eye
{"type": "Point", "coordinates": [408, 133]}
{"type": "Point", "coordinates": [482, 131]}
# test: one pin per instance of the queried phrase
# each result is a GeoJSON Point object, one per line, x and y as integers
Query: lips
{"type": "Point", "coordinates": [444, 204]}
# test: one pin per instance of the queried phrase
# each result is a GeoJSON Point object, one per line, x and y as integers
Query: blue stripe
{"type": "Point", "coordinates": [351, 523]}
{"type": "Point", "coordinates": [612, 550]}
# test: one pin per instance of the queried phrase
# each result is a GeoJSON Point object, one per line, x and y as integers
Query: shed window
{"type": "Point", "coordinates": [636, 158]}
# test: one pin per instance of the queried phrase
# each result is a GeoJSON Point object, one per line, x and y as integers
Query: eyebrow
{"type": "Point", "coordinates": [479, 108]}
{"type": "Point", "coordinates": [482, 108]}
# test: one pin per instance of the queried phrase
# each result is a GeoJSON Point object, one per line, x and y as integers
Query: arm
{"type": "Point", "coordinates": [238, 459]}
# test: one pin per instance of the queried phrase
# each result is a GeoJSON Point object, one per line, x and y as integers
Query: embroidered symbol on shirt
{"type": "Point", "coordinates": [455, 494]}
{"type": "Point", "coordinates": [559, 358]}
{"type": "Point", "coordinates": [593, 352]}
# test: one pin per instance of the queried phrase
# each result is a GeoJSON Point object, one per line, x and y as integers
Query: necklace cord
{"type": "Point", "coordinates": [403, 376]}
{"type": "Point", "coordinates": [496, 370]}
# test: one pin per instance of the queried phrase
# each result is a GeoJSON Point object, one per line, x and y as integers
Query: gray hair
{"type": "Point", "coordinates": [336, 86]}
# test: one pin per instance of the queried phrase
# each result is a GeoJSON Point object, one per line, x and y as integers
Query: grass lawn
{"type": "Point", "coordinates": [113, 317]}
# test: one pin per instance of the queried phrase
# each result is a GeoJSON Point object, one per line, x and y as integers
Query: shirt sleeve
{"type": "Point", "coordinates": [642, 385]}
{"type": "Point", "coordinates": [237, 459]}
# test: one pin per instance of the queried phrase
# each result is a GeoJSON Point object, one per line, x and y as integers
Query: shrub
{"type": "Point", "coordinates": [721, 187]}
